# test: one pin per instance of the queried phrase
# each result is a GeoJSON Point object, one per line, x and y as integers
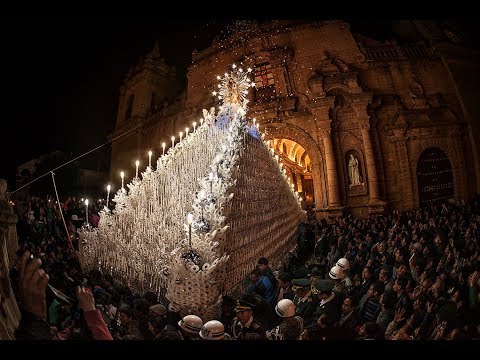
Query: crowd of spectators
{"type": "Point", "coordinates": [400, 276]}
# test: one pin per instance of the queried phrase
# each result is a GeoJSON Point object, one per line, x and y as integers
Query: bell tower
{"type": "Point", "coordinates": [146, 87]}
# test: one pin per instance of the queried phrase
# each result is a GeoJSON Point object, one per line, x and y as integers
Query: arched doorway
{"type": "Point", "coordinates": [434, 176]}
{"type": "Point", "coordinates": [298, 166]}
{"type": "Point", "coordinates": [317, 168]}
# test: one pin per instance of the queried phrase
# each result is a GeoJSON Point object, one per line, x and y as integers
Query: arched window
{"type": "Point", "coordinates": [128, 112]}
{"type": "Point", "coordinates": [264, 82]}
{"type": "Point", "coordinates": [435, 177]}
{"type": "Point", "coordinates": [154, 102]}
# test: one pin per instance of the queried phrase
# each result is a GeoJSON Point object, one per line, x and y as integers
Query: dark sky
{"type": "Point", "coordinates": [63, 79]}
{"type": "Point", "coordinates": [63, 75]}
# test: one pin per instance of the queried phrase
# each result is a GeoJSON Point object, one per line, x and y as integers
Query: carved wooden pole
{"type": "Point", "coordinates": [9, 312]}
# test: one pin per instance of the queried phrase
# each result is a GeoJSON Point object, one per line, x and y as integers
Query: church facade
{"type": "Point", "coordinates": [361, 126]}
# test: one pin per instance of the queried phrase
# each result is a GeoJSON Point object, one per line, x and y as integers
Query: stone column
{"type": "Point", "coordinates": [9, 312]}
{"type": "Point", "coordinates": [320, 108]}
{"type": "Point", "coordinates": [400, 141]}
{"type": "Point", "coordinates": [363, 120]}
{"type": "Point", "coordinates": [331, 164]}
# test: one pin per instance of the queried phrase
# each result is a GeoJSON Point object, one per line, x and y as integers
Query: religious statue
{"type": "Point", "coordinates": [353, 171]}
{"type": "Point", "coordinates": [232, 95]}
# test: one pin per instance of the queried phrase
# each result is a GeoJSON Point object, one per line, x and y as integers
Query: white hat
{"type": "Point", "coordinates": [343, 263]}
{"type": "Point", "coordinates": [191, 324]}
{"type": "Point", "coordinates": [212, 330]}
{"type": "Point", "coordinates": [336, 273]}
{"type": "Point", "coordinates": [285, 308]}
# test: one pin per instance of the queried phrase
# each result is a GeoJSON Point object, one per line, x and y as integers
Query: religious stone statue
{"type": "Point", "coordinates": [353, 171]}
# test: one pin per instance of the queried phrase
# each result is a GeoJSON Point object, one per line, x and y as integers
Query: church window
{"type": "Point", "coordinates": [263, 75]}
{"type": "Point", "coordinates": [128, 113]}
{"type": "Point", "coordinates": [264, 82]}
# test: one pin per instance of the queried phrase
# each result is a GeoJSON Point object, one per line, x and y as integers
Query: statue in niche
{"type": "Point", "coordinates": [354, 171]}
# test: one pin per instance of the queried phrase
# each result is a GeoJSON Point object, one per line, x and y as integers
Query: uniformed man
{"type": "Point", "coordinates": [244, 323]}
{"type": "Point", "coordinates": [285, 287]}
{"type": "Point", "coordinates": [336, 275]}
{"type": "Point", "coordinates": [305, 303]}
{"type": "Point", "coordinates": [314, 274]}
{"type": "Point", "coordinates": [329, 304]}
{"type": "Point", "coordinates": [291, 326]}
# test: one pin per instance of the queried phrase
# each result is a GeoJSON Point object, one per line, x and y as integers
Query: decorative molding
{"type": "Point", "coordinates": [438, 142]}
{"type": "Point", "coordinates": [358, 190]}
{"type": "Point", "coordinates": [349, 140]}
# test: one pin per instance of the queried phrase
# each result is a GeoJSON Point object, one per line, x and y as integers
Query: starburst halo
{"type": "Point", "coordinates": [234, 86]}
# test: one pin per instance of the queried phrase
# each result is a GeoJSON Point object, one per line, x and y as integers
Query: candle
{"type": "Point", "coordinates": [186, 132]}
{"type": "Point", "coordinates": [190, 221]}
{"type": "Point", "coordinates": [122, 175]}
{"type": "Point", "coordinates": [163, 149]}
{"type": "Point", "coordinates": [137, 163]}
{"type": "Point", "coordinates": [108, 193]}
{"type": "Point", "coordinates": [181, 134]}
{"type": "Point", "coordinates": [201, 121]}
{"type": "Point", "coordinates": [150, 159]}
{"type": "Point", "coordinates": [86, 208]}
{"type": "Point", "coordinates": [254, 120]}
{"type": "Point", "coordinates": [194, 125]}
{"type": "Point", "coordinates": [173, 141]}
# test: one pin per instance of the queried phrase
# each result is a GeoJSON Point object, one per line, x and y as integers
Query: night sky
{"type": "Point", "coordinates": [63, 75]}
{"type": "Point", "coordinates": [64, 79]}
